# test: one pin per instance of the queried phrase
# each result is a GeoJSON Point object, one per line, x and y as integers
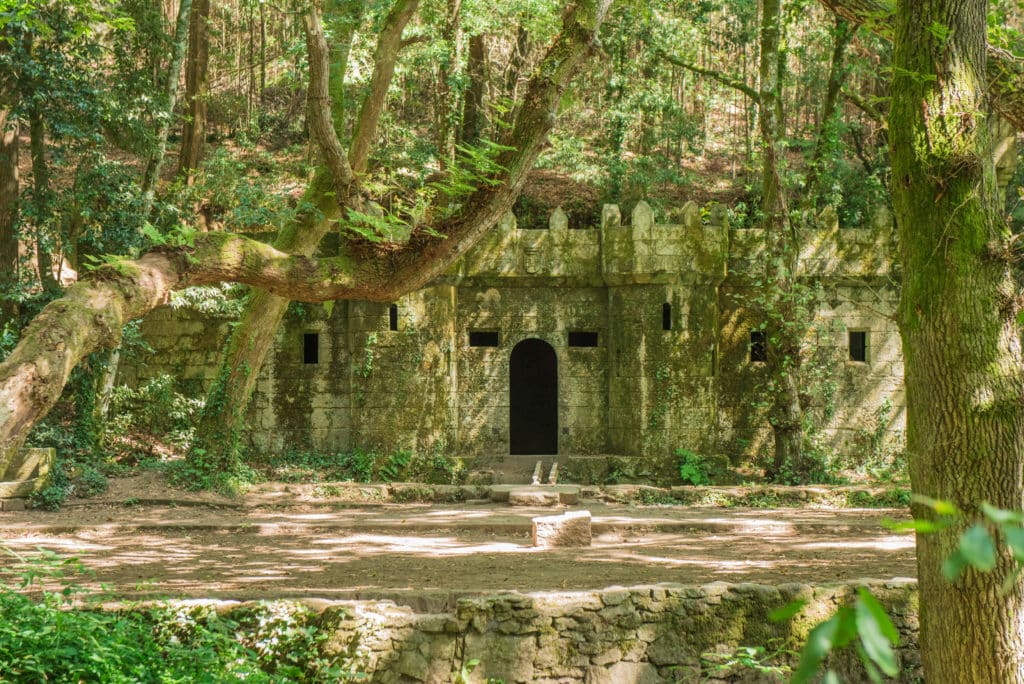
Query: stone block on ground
{"type": "Point", "coordinates": [568, 529]}
{"type": "Point", "coordinates": [532, 497]}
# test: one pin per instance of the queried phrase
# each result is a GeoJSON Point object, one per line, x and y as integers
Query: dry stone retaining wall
{"type": "Point", "coordinates": [637, 635]}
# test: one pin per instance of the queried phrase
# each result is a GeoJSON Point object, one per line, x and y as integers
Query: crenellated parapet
{"type": "Point", "coordinates": [616, 252]}
{"type": "Point", "coordinates": [636, 249]}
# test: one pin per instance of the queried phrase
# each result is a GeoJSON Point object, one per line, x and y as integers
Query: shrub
{"type": "Point", "coordinates": [692, 469]}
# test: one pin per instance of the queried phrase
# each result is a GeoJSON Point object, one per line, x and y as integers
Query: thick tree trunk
{"type": "Point", "coordinates": [961, 339]}
{"type": "Point", "coordinates": [151, 176]}
{"type": "Point", "coordinates": [1004, 71]}
{"type": "Point", "coordinates": [9, 189]}
{"type": "Point", "coordinates": [193, 137]}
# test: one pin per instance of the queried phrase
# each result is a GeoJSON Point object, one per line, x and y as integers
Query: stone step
{"type": "Point", "coordinates": [540, 495]}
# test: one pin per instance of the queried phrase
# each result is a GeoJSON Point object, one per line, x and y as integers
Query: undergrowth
{"type": "Point", "coordinates": [62, 635]}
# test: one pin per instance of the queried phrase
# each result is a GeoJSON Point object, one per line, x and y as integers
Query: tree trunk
{"type": "Point", "coordinates": [8, 215]}
{"type": "Point", "coordinates": [473, 105]}
{"type": "Point", "coordinates": [961, 339]}
{"type": "Point", "coordinates": [784, 332]}
{"type": "Point", "coordinates": [151, 176]}
{"type": "Point", "coordinates": [41, 198]}
{"type": "Point", "coordinates": [91, 313]}
{"type": "Point", "coordinates": [193, 136]}
{"type": "Point", "coordinates": [842, 34]}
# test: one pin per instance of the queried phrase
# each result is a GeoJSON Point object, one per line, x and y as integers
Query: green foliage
{"type": "Point", "coordinates": [358, 465]}
{"type": "Point", "coordinates": [692, 469]}
{"type": "Point", "coordinates": [46, 635]}
{"type": "Point", "coordinates": [756, 659]}
{"type": "Point", "coordinates": [153, 415]}
{"type": "Point", "coordinates": [865, 625]}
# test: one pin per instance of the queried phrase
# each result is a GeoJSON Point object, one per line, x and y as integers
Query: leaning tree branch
{"type": "Point", "coordinates": [725, 80]}
{"type": "Point", "coordinates": [1004, 70]}
{"type": "Point", "coordinates": [865, 106]}
{"type": "Point", "coordinates": [90, 314]}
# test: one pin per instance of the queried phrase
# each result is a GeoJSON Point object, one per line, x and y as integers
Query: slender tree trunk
{"type": "Point", "coordinates": [197, 65]}
{"type": "Point", "coordinates": [473, 120]}
{"type": "Point", "coordinates": [446, 104]}
{"type": "Point", "coordinates": [842, 34]}
{"type": "Point", "coordinates": [151, 176]}
{"type": "Point", "coordinates": [9, 189]}
{"type": "Point", "coordinates": [41, 199]}
{"type": "Point", "coordinates": [515, 62]}
{"type": "Point", "coordinates": [785, 336]}
{"type": "Point", "coordinates": [961, 338]}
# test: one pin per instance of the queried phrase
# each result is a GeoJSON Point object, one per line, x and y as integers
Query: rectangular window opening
{"type": "Point", "coordinates": [311, 348]}
{"type": "Point", "coordinates": [666, 316]}
{"type": "Point", "coordinates": [582, 339]}
{"type": "Point", "coordinates": [758, 346]}
{"type": "Point", "coordinates": [393, 317]}
{"type": "Point", "coordinates": [483, 338]}
{"type": "Point", "coordinates": [859, 346]}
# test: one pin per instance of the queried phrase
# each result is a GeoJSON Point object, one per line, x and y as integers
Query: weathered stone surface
{"type": "Point", "coordinates": [644, 391]}
{"type": "Point", "coordinates": [532, 497]}
{"type": "Point", "coordinates": [569, 529]}
{"type": "Point", "coordinates": [620, 673]}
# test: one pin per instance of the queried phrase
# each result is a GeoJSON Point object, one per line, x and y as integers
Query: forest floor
{"type": "Point", "coordinates": [142, 539]}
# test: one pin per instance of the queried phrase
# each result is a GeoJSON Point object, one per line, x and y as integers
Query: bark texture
{"type": "Point", "coordinates": [1003, 71]}
{"type": "Point", "coordinates": [9, 188]}
{"type": "Point", "coordinates": [151, 176]}
{"type": "Point", "coordinates": [193, 135]}
{"type": "Point", "coordinates": [961, 340]}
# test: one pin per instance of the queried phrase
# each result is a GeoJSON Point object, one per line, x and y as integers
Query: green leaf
{"type": "Point", "coordinates": [916, 525]}
{"type": "Point", "coordinates": [819, 642]}
{"type": "Point", "coordinates": [1001, 516]}
{"type": "Point", "coordinates": [1015, 540]}
{"type": "Point", "coordinates": [977, 548]}
{"type": "Point", "coordinates": [953, 566]}
{"type": "Point", "coordinates": [877, 633]}
{"type": "Point", "coordinates": [787, 611]}
{"type": "Point", "coordinates": [939, 506]}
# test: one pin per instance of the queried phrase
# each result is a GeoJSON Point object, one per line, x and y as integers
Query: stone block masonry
{"type": "Point", "coordinates": [650, 634]}
{"type": "Point", "coordinates": [649, 325]}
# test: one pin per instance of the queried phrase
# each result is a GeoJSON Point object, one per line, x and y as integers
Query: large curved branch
{"type": "Point", "coordinates": [1005, 71]}
{"type": "Point", "coordinates": [90, 314]}
{"type": "Point", "coordinates": [385, 56]}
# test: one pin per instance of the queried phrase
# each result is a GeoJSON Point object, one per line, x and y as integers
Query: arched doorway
{"type": "Point", "coordinates": [533, 399]}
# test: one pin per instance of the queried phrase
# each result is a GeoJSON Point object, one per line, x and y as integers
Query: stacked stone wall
{"type": "Point", "coordinates": [639, 635]}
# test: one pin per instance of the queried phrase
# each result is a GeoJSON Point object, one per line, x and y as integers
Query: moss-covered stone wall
{"type": "Point", "coordinates": [649, 634]}
{"type": "Point", "coordinates": [670, 368]}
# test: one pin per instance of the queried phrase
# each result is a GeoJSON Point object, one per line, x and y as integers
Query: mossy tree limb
{"type": "Point", "coordinates": [90, 314]}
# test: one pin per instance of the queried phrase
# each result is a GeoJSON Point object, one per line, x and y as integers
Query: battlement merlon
{"type": "Point", "coordinates": [700, 248]}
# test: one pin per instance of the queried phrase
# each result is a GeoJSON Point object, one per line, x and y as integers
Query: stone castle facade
{"type": "Point", "coordinates": [631, 337]}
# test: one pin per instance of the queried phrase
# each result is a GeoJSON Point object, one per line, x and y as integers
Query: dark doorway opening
{"type": "Point", "coordinates": [533, 399]}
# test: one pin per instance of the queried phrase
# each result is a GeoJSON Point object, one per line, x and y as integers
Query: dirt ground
{"type": "Point", "coordinates": [144, 540]}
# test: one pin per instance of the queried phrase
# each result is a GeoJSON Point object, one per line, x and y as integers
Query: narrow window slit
{"type": "Point", "coordinates": [582, 339]}
{"type": "Point", "coordinates": [758, 347]}
{"type": "Point", "coordinates": [666, 316]}
{"type": "Point", "coordinates": [311, 348]}
{"type": "Point", "coordinates": [483, 338]}
{"type": "Point", "coordinates": [393, 317]}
